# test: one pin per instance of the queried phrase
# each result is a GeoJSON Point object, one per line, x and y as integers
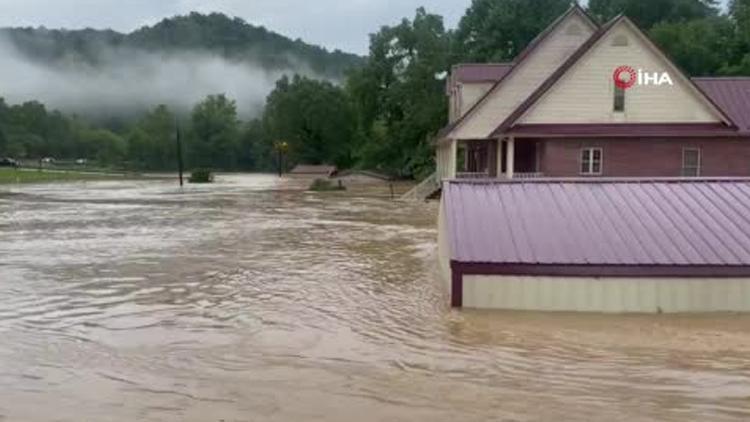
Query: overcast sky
{"type": "Point", "coordinates": [342, 24]}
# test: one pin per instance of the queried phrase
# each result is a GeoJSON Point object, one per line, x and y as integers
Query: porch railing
{"type": "Point", "coordinates": [534, 175]}
{"type": "Point", "coordinates": [473, 175]}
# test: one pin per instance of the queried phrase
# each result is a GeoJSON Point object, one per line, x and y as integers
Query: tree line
{"type": "Point", "coordinates": [385, 113]}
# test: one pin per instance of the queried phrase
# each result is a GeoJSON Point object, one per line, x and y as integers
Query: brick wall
{"type": "Point", "coordinates": [647, 157]}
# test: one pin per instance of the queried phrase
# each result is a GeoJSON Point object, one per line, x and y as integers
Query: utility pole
{"type": "Point", "coordinates": [281, 149]}
{"type": "Point", "coordinates": [179, 153]}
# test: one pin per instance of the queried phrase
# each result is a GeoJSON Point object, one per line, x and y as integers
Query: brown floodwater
{"type": "Point", "coordinates": [252, 300]}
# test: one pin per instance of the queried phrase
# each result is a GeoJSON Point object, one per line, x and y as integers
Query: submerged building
{"type": "Point", "coordinates": [598, 245]}
{"type": "Point", "coordinates": [591, 174]}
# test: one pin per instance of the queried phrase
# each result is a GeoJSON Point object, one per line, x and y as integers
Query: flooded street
{"type": "Point", "coordinates": [252, 300]}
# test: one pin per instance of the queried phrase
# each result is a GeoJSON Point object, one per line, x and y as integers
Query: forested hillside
{"type": "Point", "coordinates": [382, 115]}
{"type": "Point", "coordinates": [216, 33]}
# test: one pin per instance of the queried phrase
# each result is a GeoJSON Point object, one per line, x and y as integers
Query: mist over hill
{"type": "Point", "coordinates": [178, 62]}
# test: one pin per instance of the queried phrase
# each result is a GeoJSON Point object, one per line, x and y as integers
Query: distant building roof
{"type": "Point", "coordinates": [480, 72]}
{"type": "Point", "coordinates": [322, 170]}
{"type": "Point", "coordinates": [621, 227]}
{"type": "Point", "coordinates": [732, 95]}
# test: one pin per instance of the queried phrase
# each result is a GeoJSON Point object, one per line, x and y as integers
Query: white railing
{"type": "Point", "coordinates": [535, 175]}
{"type": "Point", "coordinates": [423, 190]}
{"type": "Point", "coordinates": [472, 175]}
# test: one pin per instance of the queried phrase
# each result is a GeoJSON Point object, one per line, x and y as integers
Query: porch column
{"type": "Point", "coordinates": [499, 158]}
{"type": "Point", "coordinates": [453, 158]}
{"type": "Point", "coordinates": [510, 157]}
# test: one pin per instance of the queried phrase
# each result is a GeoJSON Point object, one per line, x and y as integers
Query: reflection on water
{"type": "Point", "coordinates": [253, 300]}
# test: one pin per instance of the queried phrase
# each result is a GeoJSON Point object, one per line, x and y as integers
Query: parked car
{"type": "Point", "coordinates": [82, 161]}
{"type": "Point", "coordinates": [8, 162]}
{"type": "Point", "coordinates": [48, 160]}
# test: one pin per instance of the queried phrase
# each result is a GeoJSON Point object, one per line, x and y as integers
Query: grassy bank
{"type": "Point", "coordinates": [9, 175]}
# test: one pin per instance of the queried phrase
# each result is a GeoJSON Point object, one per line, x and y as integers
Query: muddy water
{"type": "Point", "coordinates": [251, 300]}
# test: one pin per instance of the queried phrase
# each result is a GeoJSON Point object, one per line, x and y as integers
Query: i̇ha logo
{"type": "Point", "coordinates": [625, 77]}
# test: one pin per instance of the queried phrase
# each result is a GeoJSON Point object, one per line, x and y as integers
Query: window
{"type": "Point", "coordinates": [591, 161]}
{"type": "Point", "coordinates": [619, 105]}
{"type": "Point", "coordinates": [691, 162]}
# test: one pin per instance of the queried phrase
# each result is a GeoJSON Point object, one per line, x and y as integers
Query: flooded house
{"type": "Point", "coordinates": [591, 174]}
{"type": "Point", "coordinates": [592, 100]}
{"type": "Point", "coordinates": [314, 170]}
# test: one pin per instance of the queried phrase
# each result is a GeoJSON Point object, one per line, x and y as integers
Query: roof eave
{"type": "Point", "coordinates": [601, 270]}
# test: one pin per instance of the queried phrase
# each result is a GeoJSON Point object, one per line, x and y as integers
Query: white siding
{"type": "Point", "coordinates": [611, 295]}
{"type": "Point", "coordinates": [585, 94]}
{"type": "Point", "coordinates": [531, 72]}
{"type": "Point", "coordinates": [444, 252]}
{"type": "Point", "coordinates": [471, 93]}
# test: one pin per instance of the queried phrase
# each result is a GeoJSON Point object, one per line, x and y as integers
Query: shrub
{"type": "Point", "coordinates": [201, 176]}
{"type": "Point", "coordinates": [322, 185]}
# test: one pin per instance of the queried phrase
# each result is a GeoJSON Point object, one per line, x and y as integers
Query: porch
{"type": "Point", "coordinates": [489, 159]}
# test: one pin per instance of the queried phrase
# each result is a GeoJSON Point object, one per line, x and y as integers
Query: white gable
{"type": "Point", "coordinates": [547, 57]}
{"type": "Point", "coordinates": [585, 94]}
{"type": "Point", "coordinates": [471, 93]}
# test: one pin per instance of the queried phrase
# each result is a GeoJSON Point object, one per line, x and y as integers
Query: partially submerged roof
{"type": "Point", "coordinates": [732, 94]}
{"type": "Point", "coordinates": [480, 72]}
{"type": "Point", "coordinates": [613, 224]}
{"type": "Point", "coordinates": [314, 169]}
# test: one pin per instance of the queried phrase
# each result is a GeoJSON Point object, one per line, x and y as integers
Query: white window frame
{"type": "Point", "coordinates": [698, 166]}
{"type": "Point", "coordinates": [582, 158]}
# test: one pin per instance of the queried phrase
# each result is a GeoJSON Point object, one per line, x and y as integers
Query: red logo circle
{"type": "Point", "coordinates": [624, 77]}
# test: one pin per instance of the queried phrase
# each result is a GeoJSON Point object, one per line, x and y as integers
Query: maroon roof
{"type": "Point", "coordinates": [732, 95]}
{"type": "Point", "coordinates": [475, 72]}
{"type": "Point", "coordinates": [612, 224]}
{"type": "Point", "coordinates": [624, 130]}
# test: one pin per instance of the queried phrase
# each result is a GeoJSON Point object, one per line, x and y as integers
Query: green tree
{"type": "Point", "coordinates": [399, 96]}
{"type": "Point", "coordinates": [151, 141]}
{"type": "Point", "coordinates": [214, 134]}
{"type": "Point", "coordinates": [497, 30]}
{"type": "Point", "coordinates": [314, 117]}
{"type": "Point", "coordinates": [702, 47]}
{"type": "Point", "coordinates": [105, 146]}
{"type": "Point", "coordinates": [649, 13]}
{"type": "Point", "coordinates": [739, 14]}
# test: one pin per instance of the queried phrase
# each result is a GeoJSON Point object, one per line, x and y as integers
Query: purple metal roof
{"type": "Point", "coordinates": [619, 223]}
{"type": "Point", "coordinates": [475, 73]}
{"type": "Point", "coordinates": [625, 130]}
{"type": "Point", "coordinates": [732, 95]}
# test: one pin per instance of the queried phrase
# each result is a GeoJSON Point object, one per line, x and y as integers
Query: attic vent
{"type": "Point", "coordinates": [620, 41]}
{"type": "Point", "coordinates": [574, 30]}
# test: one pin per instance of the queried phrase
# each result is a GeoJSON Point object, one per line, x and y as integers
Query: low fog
{"type": "Point", "coordinates": [128, 81]}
